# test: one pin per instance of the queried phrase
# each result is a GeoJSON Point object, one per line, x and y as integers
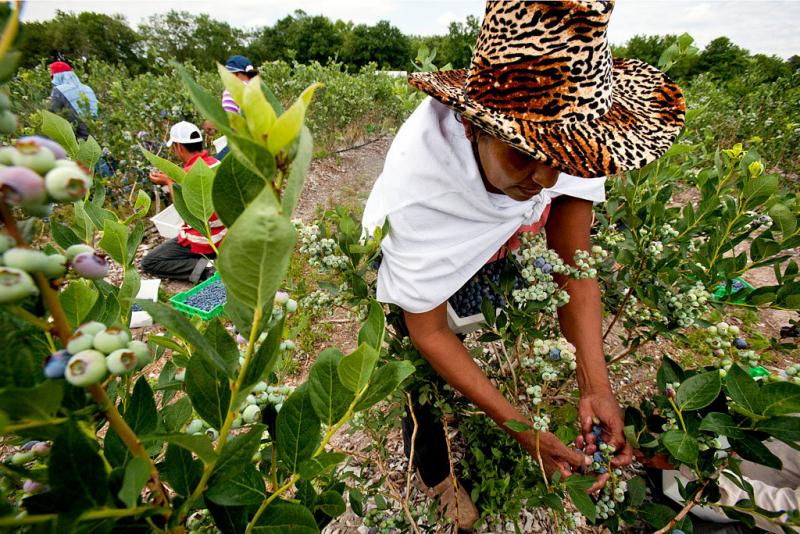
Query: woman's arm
{"type": "Point", "coordinates": [448, 356]}
{"type": "Point", "coordinates": [567, 231]}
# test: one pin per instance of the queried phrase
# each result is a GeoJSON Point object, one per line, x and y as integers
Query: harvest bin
{"type": "Point", "coordinates": [179, 301]}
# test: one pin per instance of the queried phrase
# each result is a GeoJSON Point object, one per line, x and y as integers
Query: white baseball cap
{"type": "Point", "coordinates": [184, 132]}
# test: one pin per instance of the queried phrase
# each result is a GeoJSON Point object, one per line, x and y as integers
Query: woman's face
{"type": "Point", "coordinates": [509, 170]}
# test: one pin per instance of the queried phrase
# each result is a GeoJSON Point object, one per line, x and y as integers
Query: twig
{"type": "Point", "coordinates": [450, 460]}
{"type": "Point", "coordinates": [511, 368]}
{"type": "Point", "coordinates": [413, 444]}
{"type": "Point", "coordinates": [359, 146]}
{"type": "Point", "coordinates": [691, 504]}
{"type": "Point", "coordinates": [619, 356]}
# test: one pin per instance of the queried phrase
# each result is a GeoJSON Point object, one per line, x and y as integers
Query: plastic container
{"type": "Point", "coordinates": [148, 290]}
{"type": "Point", "coordinates": [179, 301]}
{"type": "Point", "coordinates": [168, 222]}
{"type": "Point", "coordinates": [738, 284]}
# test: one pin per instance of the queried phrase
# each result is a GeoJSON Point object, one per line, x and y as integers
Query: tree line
{"type": "Point", "coordinates": [202, 40]}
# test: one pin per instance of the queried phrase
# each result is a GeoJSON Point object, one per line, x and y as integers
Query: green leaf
{"type": "Point", "coordinates": [77, 301]}
{"type": "Point", "coordinates": [137, 473]}
{"type": "Point", "coordinates": [183, 210]}
{"type": "Point", "coordinates": [785, 219]}
{"type": "Point", "coordinates": [89, 153]}
{"type": "Point", "coordinates": [98, 215]}
{"type": "Point", "coordinates": [135, 239]}
{"type": "Point", "coordinates": [246, 488]}
{"type": "Point", "coordinates": [742, 389]}
{"type": "Point", "coordinates": [385, 380]}
{"type": "Point", "coordinates": [76, 472]}
{"type": "Point", "coordinates": [200, 445]}
{"type": "Point", "coordinates": [128, 290]}
{"type": "Point", "coordinates": [761, 188]}
{"type": "Point", "coordinates": [252, 264]}
{"type": "Point", "coordinates": [583, 503]}
{"type": "Point", "coordinates": [298, 171]}
{"type": "Point", "coordinates": [372, 330]}
{"type": "Point", "coordinates": [656, 515]}
{"type": "Point", "coordinates": [230, 484]}
{"type": "Point", "coordinates": [230, 519]}
{"type": "Point", "coordinates": [257, 112]}
{"type": "Point", "coordinates": [720, 423]}
{"type": "Point", "coordinates": [140, 412]}
{"type": "Point", "coordinates": [82, 224]}
{"type": "Point", "coordinates": [141, 206]}
{"type": "Point", "coordinates": [181, 470]}
{"type": "Point", "coordinates": [516, 426]}
{"type": "Point", "coordinates": [174, 172]}
{"type": "Point", "coordinates": [208, 105]}
{"type": "Point", "coordinates": [288, 125]}
{"type": "Point", "coordinates": [782, 427]}
{"type": "Point", "coordinates": [637, 491]}
{"type": "Point", "coordinates": [256, 158]}
{"type": "Point", "coordinates": [330, 503]}
{"type": "Point", "coordinates": [751, 448]}
{"type": "Point", "coordinates": [178, 325]}
{"type": "Point", "coordinates": [262, 362]}
{"type": "Point", "coordinates": [314, 467]}
{"type": "Point", "coordinates": [60, 130]}
{"type": "Point", "coordinates": [207, 385]}
{"type": "Point", "coordinates": [297, 429]}
{"type": "Point", "coordinates": [219, 338]}
{"type": "Point", "coordinates": [115, 241]}
{"type": "Point", "coordinates": [681, 445]}
{"type": "Point", "coordinates": [196, 188]}
{"type": "Point", "coordinates": [39, 402]}
{"type": "Point", "coordinates": [779, 398]}
{"type": "Point", "coordinates": [329, 398]}
{"type": "Point", "coordinates": [63, 235]}
{"type": "Point", "coordinates": [668, 372]}
{"type": "Point", "coordinates": [699, 391]}
{"type": "Point", "coordinates": [175, 415]}
{"type": "Point", "coordinates": [282, 517]}
{"type": "Point", "coordinates": [356, 368]}
{"type": "Point", "coordinates": [235, 187]}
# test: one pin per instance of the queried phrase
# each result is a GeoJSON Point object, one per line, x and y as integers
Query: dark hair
{"type": "Point", "coordinates": [193, 147]}
{"type": "Point", "coordinates": [251, 73]}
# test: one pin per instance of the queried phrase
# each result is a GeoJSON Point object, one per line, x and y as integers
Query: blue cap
{"type": "Point", "coordinates": [239, 64]}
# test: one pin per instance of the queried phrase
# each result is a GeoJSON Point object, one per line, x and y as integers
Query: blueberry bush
{"type": "Point", "coordinates": [186, 428]}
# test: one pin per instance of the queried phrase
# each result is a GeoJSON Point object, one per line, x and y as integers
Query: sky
{"type": "Point", "coordinates": [761, 26]}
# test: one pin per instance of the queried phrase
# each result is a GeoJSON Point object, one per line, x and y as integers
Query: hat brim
{"type": "Point", "coordinates": [646, 116]}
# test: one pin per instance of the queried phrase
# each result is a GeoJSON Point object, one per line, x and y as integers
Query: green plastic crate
{"type": "Point", "coordinates": [721, 291]}
{"type": "Point", "coordinates": [179, 301]}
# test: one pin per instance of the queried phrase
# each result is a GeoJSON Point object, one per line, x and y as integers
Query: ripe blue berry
{"type": "Point", "coordinates": [740, 343]}
{"type": "Point", "coordinates": [21, 186]}
{"type": "Point", "coordinates": [56, 364]}
{"type": "Point", "coordinates": [15, 285]}
{"type": "Point", "coordinates": [86, 368]}
{"type": "Point", "coordinates": [547, 268]}
{"type": "Point", "coordinates": [32, 487]}
{"type": "Point", "coordinates": [555, 354]}
{"type": "Point", "coordinates": [41, 448]}
{"type": "Point", "coordinates": [90, 265]}
{"type": "Point", "coordinates": [539, 262]}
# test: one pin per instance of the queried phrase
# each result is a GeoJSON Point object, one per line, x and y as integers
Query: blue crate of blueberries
{"type": "Point", "coordinates": [464, 307]}
{"type": "Point", "coordinates": [206, 300]}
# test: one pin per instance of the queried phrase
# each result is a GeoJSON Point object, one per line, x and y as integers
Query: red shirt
{"type": "Point", "coordinates": [189, 237]}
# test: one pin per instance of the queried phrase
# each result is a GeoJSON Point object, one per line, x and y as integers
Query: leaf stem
{"type": "Point", "coordinates": [680, 415]}
{"type": "Point", "coordinates": [24, 314]}
{"type": "Point", "coordinates": [101, 513]}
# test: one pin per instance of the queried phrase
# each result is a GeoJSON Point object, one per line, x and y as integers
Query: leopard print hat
{"type": "Point", "coordinates": [543, 80]}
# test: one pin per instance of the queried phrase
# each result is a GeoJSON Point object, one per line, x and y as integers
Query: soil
{"type": "Point", "coordinates": [346, 178]}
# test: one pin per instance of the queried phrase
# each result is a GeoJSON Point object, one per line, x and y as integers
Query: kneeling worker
{"type": "Point", "coordinates": [186, 256]}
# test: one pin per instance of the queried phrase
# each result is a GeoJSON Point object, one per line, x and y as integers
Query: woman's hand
{"type": "Point", "coordinates": [159, 178]}
{"type": "Point", "coordinates": [555, 455]}
{"type": "Point", "coordinates": [603, 407]}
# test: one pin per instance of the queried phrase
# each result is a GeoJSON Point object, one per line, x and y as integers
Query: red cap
{"type": "Point", "coordinates": [59, 66]}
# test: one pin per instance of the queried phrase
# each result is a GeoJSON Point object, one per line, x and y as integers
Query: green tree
{"type": "Point", "coordinates": [382, 43]}
{"type": "Point", "coordinates": [299, 37]}
{"type": "Point", "coordinates": [722, 59]}
{"type": "Point", "coordinates": [456, 47]}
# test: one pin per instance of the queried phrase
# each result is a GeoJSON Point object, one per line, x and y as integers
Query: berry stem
{"type": "Point", "coordinates": [11, 224]}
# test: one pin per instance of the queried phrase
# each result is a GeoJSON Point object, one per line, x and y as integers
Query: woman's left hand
{"type": "Point", "coordinates": [602, 406]}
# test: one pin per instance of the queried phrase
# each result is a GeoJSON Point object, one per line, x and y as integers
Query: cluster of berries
{"type": "Point", "coordinates": [32, 451]}
{"type": "Point", "coordinates": [95, 350]}
{"type": "Point", "coordinates": [483, 284]}
{"type": "Point", "coordinates": [550, 359]}
{"type": "Point", "coordinates": [36, 171]}
{"type": "Point", "coordinates": [688, 305]}
{"type": "Point", "coordinates": [17, 263]}
{"type": "Point", "coordinates": [209, 297]}
{"type": "Point", "coordinates": [655, 248]}
{"type": "Point", "coordinates": [640, 312]}
{"type": "Point", "coordinates": [321, 251]}
{"type": "Point", "coordinates": [726, 343]}
{"type": "Point", "coordinates": [322, 300]}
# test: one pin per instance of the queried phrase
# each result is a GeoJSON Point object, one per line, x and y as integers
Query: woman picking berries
{"type": "Point", "coordinates": [511, 142]}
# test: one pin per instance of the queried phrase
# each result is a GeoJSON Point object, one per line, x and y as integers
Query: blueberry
{"type": "Point", "coordinates": [597, 431]}
{"type": "Point", "coordinates": [598, 457]}
{"type": "Point", "coordinates": [539, 263]}
{"type": "Point", "coordinates": [22, 187]}
{"type": "Point", "coordinates": [740, 343]}
{"type": "Point", "coordinates": [547, 268]}
{"type": "Point", "coordinates": [56, 364]}
{"type": "Point", "coordinates": [601, 470]}
{"type": "Point", "coordinates": [90, 265]}
{"type": "Point", "coordinates": [555, 354]}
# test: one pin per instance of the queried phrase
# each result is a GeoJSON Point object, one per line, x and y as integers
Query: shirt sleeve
{"type": "Point", "coordinates": [587, 188]}
{"type": "Point", "coordinates": [228, 103]}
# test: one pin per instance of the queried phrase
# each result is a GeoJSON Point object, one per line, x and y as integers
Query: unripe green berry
{"type": "Point", "coordinates": [121, 361]}
{"type": "Point", "coordinates": [79, 248]}
{"type": "Point", "coordinates": [251, 414]}
{"type": "Point", "coordinates": [195, 426]}
{"type": "Point", "coordinates": [80, 342]}
{"type": "Point", "coordinates": [15, 285]}
{"type": "Point", "coordinates": [6, 155]}
{"type": "Point", "coordinates": [86, 368]}
{"type": "Point", "coordinates": [67, 184]}
{"type": "Point", "coordinates": [92, 328]}
{"type": "Point", "coordinates": [111, 339]}
{"type": "Point", "coordinates": [21, 458]}
{"type": "Point", "coordinates": [33, 156]}
{"type": "Point", "coordinates": [142, 352]}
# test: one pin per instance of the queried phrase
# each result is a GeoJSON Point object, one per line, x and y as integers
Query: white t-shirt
{"type": "Point", "coordinates": [444, 225]}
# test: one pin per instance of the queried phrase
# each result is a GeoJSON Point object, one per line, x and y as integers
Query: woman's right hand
{"type": "Point", "coordinates": [558, 457]}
